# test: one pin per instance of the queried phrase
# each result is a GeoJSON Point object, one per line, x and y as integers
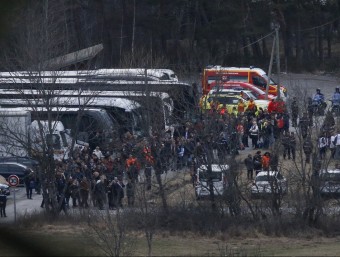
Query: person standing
{"type": "Point", "coordinates": [274, 162]}
{"type": "Point", "coordinates": [286, 145]}
{"type": "Point", "coordinates": [3, 202]}
{"type": "Point", "coordinates": [265, 161]}
{"type": "Point", "coordinates": [250, 166]}
{"type": "Point", "coordinates": [149, 162]}
{"type": "Point", "coordinates": [29, 184]}
{"type": "Point", "coordinates": [112, 194]}
{"type": "Point", "coordinates": [308, 148]}
{"type": "Point", "coordinates": [322, 145]}
{"type": "Point", "coordinates": [75, 195]}
{"type": "Point", "coordinates": [120, 193]}
{"type": "Point", "coordinates": [132, 166]}
{"type": "Point", "coordinates": [99, 193]}
{"type": "Point", "coordinates": [304, 125]}
{"type": "Point", "coordinates": [295, 111]}
{"type": "Point", "coordinates": [336, 143]}
{"type": "Point", "coordinates": [292, 144]}
{"type": "Point", "coordinates": [130, 193]}
{"type": "Point", "coordinates": [332, 146]}
{"type": "Point", "coordinates": [257, 160]}
{"type": "Point", "coordinates": [84, 189]}
{"type": "Point", "coordinates": [240, 107]}
{"type": "Point", "coordinates": [98, 153]}
{"type": "Point", "coordinates": [254, 134]}
{"type": "Point", "coordinates": [240, 133]}
{"type": "Point", "coordinates": [180, 150]}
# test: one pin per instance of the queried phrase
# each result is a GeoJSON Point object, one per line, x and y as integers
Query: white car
{"type": "Point", "coordinates": [330, 183]}
{"type": "Point", "coordinates": [218, 178]}
{"type": "Point", "coordinates": [268, 182]}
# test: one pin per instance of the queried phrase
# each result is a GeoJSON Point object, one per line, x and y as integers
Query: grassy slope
{"type": "Point", "coordinates": [66, 241]}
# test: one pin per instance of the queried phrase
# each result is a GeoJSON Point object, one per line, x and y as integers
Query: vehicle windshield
{"type": "Point", "coordinates": [223, 100]}
{"type": "Point", "coordinates": [330, 177]}
{"type": "Point", "coordinates": [264, 178]}
{"type": "Point", "coordinates": [53, 140]}
{"type": "Point", "coordinates": [227, 77]}
{"type": "Point", "coordinates": [249, 94]}
{"type": "Point", "coordinates": [215, 176]}
{"type": "Point", "coordinates": [272, 82]}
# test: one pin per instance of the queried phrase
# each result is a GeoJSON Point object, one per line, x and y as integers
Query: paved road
{"type": "Point", "coordinates": [22, 205]}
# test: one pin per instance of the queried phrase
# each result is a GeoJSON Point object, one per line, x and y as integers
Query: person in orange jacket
{"type": "Point", "coordinates": [265, 161]}
{"type": "Point", "coordinates": [251, 108]}
{"type": "Point", "coordinates": [132, 166]}
{"type": "Point", "coordinates": [223, 110]}
{"type": "Point", "coordinates": [149, 162]}
{"type": "Point", "coordinates": [240, 106]}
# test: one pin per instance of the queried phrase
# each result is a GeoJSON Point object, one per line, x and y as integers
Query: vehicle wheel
{"type": "Point", "coordinates": [322, 112]}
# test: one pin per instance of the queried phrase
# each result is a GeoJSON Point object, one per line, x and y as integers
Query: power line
{"type": "Point", "coordinates": [252, 43]}
{"type": "Point", "coordinates": [319, 26]}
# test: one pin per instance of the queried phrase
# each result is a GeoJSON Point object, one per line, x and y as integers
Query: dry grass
{"type": "Point", "coordinates": [61, 240]}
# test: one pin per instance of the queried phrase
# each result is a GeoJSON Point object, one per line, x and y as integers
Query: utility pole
{"type": "Point", "coordinates": [277, 27]}
{"type": "Point", "coordinates": [270, 67]}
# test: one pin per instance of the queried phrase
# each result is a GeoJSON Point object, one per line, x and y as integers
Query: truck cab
{"type": "Point", "coordinates": [57, 137]}
{"type": "Point", "coordinates": [252, 75]}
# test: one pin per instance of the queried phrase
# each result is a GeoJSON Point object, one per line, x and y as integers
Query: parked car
{"type": "Point", "coordinates": [5, 189]}
{"type": "Point", "coordinates": [23, 160]}
{"type": "Point", "coordinates": [14, 168]}
{"type": "Point", "coordinates": [218, 178]}
{"type": "Point", "coordinates": [230, 99]}
{"type": "Point", "coordinates": [268, 182]}
{"type": "Point", "coordinates": [330, 183]}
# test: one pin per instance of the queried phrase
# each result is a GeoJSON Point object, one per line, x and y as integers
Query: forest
{"type": "Point", "coordinates": [183, 35]}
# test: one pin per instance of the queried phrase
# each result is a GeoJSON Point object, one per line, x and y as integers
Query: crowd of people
{"type": "Point", "coordinates": [108, 177]}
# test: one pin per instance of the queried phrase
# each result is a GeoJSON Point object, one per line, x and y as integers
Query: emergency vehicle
{"type": "Point", "coordinates": [252, 75]}
{"type": "Point", "coordinates": [241, 86]}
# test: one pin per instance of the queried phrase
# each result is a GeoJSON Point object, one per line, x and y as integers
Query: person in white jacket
{"type": "Point", "coordinates": [322, 145]}
{"type": "Point", "coordinates": [254, 134]}
{"type": "Point", "coordinates": [98, 153]}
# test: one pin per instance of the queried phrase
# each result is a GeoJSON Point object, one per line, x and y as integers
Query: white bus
{"type": "Point", "coordinates": [129, 74]}
{"type": "Point", "coordinates": [139, 110]}
{"type": "Point", "coordinates": [93, 126]}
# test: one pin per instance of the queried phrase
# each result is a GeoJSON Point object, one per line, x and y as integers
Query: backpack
{"type": "Point", "coordinates": [335, 139]}
{"type": "Point", "coordinates": [280, 123]}
{"type": "Point", "coordinates": [32, 184]}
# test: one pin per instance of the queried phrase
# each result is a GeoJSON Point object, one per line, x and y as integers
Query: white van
{"type": "Point", "coordinates": [218, 177]}
{"type": "Point", "coordinates": [59, 139]}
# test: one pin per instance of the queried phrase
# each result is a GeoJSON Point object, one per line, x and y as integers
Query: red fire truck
{"type": "Point", "coordinates": [252, 75]}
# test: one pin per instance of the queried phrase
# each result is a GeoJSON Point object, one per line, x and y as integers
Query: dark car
{"type": "Point", "coordinates": [5, 189]}
{"type": "Point", "coordinates": [23, 160]}
{"type": "Point", "coordinates": [14, 168]}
